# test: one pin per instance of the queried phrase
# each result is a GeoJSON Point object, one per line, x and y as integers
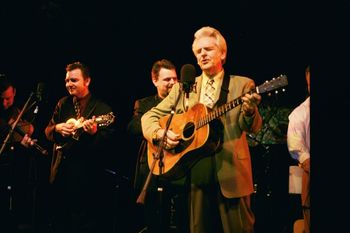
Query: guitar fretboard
{"type": "Point", "coordinates": [220, 111]}
{"type": "Point", "coordinates": [273, 84]}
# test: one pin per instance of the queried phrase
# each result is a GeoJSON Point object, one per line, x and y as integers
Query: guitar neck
{"type": "Point", "coordinates": [271, 85]}
{"type": "Point", "coordinates": [216, 113]}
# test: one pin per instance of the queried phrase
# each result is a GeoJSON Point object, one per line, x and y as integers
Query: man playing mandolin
{"type": "Point", "coordinates": [81, 130]}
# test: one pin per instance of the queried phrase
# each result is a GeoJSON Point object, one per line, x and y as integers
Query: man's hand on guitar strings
{"type": "Point", "coordinates": [250, 102]}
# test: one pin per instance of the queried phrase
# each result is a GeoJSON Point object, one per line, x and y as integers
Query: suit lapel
{"type": "Point", "coordinates": [89, 108]}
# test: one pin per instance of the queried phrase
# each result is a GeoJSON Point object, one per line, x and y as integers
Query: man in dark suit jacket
{"type": "Point", "coordinates": [164, 76]}
{"type": "Point", "coordinates": [16, 171]}
{"type": "Point", "coordinates": [81, 129]}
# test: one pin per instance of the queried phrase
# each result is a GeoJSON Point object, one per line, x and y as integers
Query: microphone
{"type": "Point", "coordinates": [40, 91]}
{"type": "Point", "coordinates": [40, 95]}
{"type": "Point", "coordinates": [188, 76]}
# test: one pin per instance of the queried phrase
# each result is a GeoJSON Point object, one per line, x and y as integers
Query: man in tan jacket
{"type": "Point", "coordinates": [205, 148]}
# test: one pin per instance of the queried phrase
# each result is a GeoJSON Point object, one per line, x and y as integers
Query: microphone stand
{"type": "Point", "coordinates": [158, 156]}
{"type": "Point", "coordinates": [14, 124]}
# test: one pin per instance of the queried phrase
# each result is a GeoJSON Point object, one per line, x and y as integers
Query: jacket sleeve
{"type": "Point", "coordinates": [253, 123]}
{"type": "Point", "coordinates": [50, 132]}
{"type": "Point", "coordinates": [150, 120]}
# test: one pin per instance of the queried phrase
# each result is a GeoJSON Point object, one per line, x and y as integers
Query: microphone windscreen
{"type": "Point", "coordinates": [188, 74]}
{"type": "Point", "coordinates": [40, 91]}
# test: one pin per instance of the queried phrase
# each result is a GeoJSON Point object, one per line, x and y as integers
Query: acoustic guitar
{"type": "Point", "coordinates": [196, 136]}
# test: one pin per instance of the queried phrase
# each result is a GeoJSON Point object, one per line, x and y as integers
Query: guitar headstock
{"type": "Point", "coordinates": [105, 120]}
{"type": "Point", "coordinates": [273, 84]}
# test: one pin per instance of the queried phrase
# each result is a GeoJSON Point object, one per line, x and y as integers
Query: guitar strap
{"type": "Point", "coordinates": [224, 91]}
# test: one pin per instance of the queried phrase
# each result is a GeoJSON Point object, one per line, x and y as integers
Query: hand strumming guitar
{"type": "Point", "coordinates": [171, 138]}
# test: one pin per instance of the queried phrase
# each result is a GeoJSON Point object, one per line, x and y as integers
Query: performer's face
{"type": "Point", "coordinates": [208, 54]}
{"type": "Point", "coordinates": [166, 79]}
{"type": "Point", "coordinates": [76, 84]}
{"type": "Point", "coordinates": [8, 97]}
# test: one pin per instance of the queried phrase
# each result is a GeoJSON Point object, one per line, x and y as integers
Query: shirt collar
{"type": "Point", "coordinates": [217, 78]}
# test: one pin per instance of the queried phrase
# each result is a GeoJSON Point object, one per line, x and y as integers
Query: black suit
{"type": "Point", "coordinates": [17, 174]}
{"type": "Point", "coordinates": [81, 196]}
{"type": "Point", "coordinates": [134, 129]}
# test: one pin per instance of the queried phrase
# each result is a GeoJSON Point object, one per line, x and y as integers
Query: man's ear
{"type": "Point", "coordinates": [154, 81]}
{"type": "Point", "coordinates": [87, 81]}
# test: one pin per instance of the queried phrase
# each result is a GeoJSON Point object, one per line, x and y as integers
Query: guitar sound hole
{"type": "Point", "coordinates": [189, 130]}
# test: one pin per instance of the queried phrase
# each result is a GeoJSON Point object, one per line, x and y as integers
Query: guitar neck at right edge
{"type": "Point", "coordinates": [268, 86]}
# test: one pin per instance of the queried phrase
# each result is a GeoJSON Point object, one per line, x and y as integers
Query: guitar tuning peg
{"type": "Point", "coordinates": [276, 92]}
{"type": "Point", "coordinates": [269, 94]}
{"type": "Point", "coordinates": [283, 89]}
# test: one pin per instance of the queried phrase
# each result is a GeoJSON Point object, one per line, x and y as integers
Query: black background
{"type": "Point", "coordinates": [121, 41]}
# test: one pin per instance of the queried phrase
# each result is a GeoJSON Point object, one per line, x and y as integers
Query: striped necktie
{"type": "Point", "coordinates": [77, 109]}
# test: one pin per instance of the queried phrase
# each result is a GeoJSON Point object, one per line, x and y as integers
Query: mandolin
{"type": "Point", "coordinates": [102, 121]}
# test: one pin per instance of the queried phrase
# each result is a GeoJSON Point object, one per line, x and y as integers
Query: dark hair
{"type": "Point", "coordinates": [5, 83]}
{"type": "Point", "coordinates": [163, 63]}
{"type": "Point", "coordinates": [85, 70]}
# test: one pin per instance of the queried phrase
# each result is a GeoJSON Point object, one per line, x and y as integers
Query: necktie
{"type": "Point", "coordinates": [77, 109]}
{"type": "Point", "coordinates": [209, 94]}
